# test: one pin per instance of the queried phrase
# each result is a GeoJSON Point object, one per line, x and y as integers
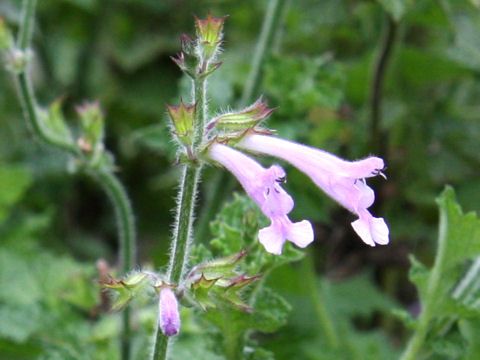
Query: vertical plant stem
{"type": "Point", "coordinates": [200, 97]}
{"type": "Point", "coordinates": [376, 93]}
{"type": "Point", "coordinates": [324, 320]}
{"type": "Point", "coordinates": [180, 244]}
{"type": "Point", "coordinates": [185, 212]}
{"type": "Point", "coordinates": [25, 31]}
{"type": "Point", "coordinates": [271, 19]}
{"type": "Point", "coordinates": [184, 220]}
{"type": "Point", "coordinates": [416, 342]}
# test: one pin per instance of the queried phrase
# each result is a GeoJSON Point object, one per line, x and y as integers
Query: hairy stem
{"type": "Point", "coordinates": [185, 211]}
{"type": "Point", "coordinates": [416, 342]}
{"type": "Point", "coordinates": [184, 220]}
{"type": "Point", "coordinates": [200, 96]}
{"type": "Point", "coordinates": [180, 243]}
{"type": "Point", "coordinates": [376, 93]}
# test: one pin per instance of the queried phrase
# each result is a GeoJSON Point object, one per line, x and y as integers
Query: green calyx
{"type": "Point", "coordinates": [127, 288]}
{"type": "Point", "coordinates": [209, 33]}
{"type": "Point", "coordinates": [244, 119]}
{"type": "Point", "coordinates": [216, 282]}
{"type": "Point", "coordinates": [183, 119]}
{"type": "Point", "coordinates": [209, 30]}
{"type": "Point", "coordinates": [93, 129]}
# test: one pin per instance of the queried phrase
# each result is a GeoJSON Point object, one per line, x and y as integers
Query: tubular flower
{"type": "Point", "coordinates": [263, 186]}
{"type": "Point", "coordinates": [342, 180]}
{"type": "Point", "coordinates": [169, 317]}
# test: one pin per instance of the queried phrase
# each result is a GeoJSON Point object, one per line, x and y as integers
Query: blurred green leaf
{"type": "Point", "coordinates": [14, 181]}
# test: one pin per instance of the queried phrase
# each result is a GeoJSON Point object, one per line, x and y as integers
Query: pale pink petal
{"type": "Point", "coordinates": [300, 233]}
{"type": "Point", "coordinates": [379, 231]}
{"type": "Point", "coordinates": [272, 238]}
{"type": "Point", "coordinates": [362, 228]}
{"type": "Point", "coordinates": [365, 168]}
{"type": "Point", "coordinates": [264, 187]}
{"type": "Point", "coordinates": [343, 180]}
{"type": "Point", "coordinates": [169, 317]}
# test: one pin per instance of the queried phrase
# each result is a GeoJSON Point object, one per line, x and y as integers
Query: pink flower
{"type": "Point", "coordinates": [263, 186]}
{"type": "Point", "coordinates": [343, 180]}
{"type": "Point", "coordinates": [169, 317]}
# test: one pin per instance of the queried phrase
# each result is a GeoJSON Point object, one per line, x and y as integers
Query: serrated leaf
{"type": "Point", "coordinates": [463, 233]}
{"type": "Point", "coordinates": [229, 240]}
{"type": "Point", "coordinates": [236, 227]}
{"type": "Point", "coordinates": [271, 313]}
{"type": "Point", "coordinates": [125, 290]}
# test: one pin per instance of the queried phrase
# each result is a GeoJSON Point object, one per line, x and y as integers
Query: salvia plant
{"type": "Point", "coordinates": [222, 291]}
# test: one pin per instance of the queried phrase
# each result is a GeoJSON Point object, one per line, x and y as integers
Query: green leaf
{"type": "Point", "coordinates": [19, 322]}
{"type": "Point", "coordinates": [419, 275]}
{"type": "Point", "coordinates": [271, 313]}
{"type": "Point", "coordinates": [236, 227]}
{"type": "Point", "coordinates": [463, 231]}
{"type": "Point", "coordinates": [459, 242]}
{"type": "Point", "coordinates": [470, 329]}
{"type": "Point", "coordinates": [304, 83]}
{"type": "Point", "coordinates": [14, 181]}
{"type": "Point", "coordinates": [18, 284]}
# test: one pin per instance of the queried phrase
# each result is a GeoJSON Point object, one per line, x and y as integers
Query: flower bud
{"type": "Point", "coordinates": [169, 317]}
{"type": "Point", "coordinates": [183, 118]}
{"type": "Point", "coordinates": [92, 122]}
{"type": "Point", "coordinates": [243, 119]}
{"type": "Point", "coordinates": [209, 33]}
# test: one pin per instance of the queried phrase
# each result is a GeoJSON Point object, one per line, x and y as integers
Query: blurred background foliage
{"type": "Point", "coordinates": [320, 72]}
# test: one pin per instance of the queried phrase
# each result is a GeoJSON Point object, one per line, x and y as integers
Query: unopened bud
{"type": "Point", "coordinates": [210, 29]}
{"type": "Point", "coordinates": [169, 317]}
{"type": "Point", "coordinates": [209, 33]}
{"type": "Point", "coordinates": [92, 122]}
{"type": "Point", "coordinates": [183, 118]}
{"type": "Point", "coordinates": [242, 119]}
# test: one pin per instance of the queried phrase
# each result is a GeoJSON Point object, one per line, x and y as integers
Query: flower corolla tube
{"type": "Point", "coordinates": [264, 187]}
{"type": "Point", "coordinates": [342, 180]}
{"type": "Point", "coordinates": [169, 317]}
